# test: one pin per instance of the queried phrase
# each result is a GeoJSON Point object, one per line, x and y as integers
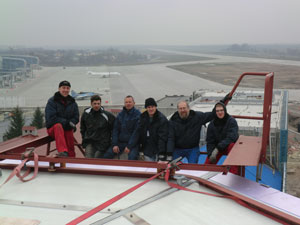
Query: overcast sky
{"type": "Point", "coordinates": [48, 23]}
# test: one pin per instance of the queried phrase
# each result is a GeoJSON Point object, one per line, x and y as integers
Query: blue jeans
{"type": "Point", "coordinates": [191, 154]}
{"type": "Point", "coordinates": [133, 154]}
{"type": "Point", "coordinates": [151, 159]}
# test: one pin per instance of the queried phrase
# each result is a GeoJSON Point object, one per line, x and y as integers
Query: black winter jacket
{"type": "Point", "coordinates": [96, 127]}
{"type": "Point", "coordinates": [61, 110]}
{"type": "Point", "coordinates": [185, 133]}
{"type": "Point", "coordinates": [153, 136]}
{"type": "Point", "coordinates": [220, 136]}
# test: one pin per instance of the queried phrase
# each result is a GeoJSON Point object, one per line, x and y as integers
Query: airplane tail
{"type": "Point", "coordinates": [73, 94]}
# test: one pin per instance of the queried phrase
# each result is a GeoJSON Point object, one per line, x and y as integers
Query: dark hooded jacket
{"type": "Point", "coordinates": [96, 127]}
{"type": "Point", "coordinates": [221, 132]}
{"type": "Point", "coordinates": [125, 127]}
{"type": "Point", "coordinates": [153, 135]}
{"type": "Point", "coordinates": [61, 110]}
{"type": "Point", "coordinates": [185, 133]}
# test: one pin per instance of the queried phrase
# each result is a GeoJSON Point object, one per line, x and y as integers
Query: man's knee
{"type": "Point", "coordinates": [89, 152]}
{"type": "Point", "coordinates": [133, 154]}
{"type": "Point", "coordinates": [109, 154]}
{"type": "Point", "coordinates": [58, 126]}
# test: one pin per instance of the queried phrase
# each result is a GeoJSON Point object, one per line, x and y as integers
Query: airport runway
{"type": "Point", "coordinates": [143, 81]}
{"type": "Point", "coordinates": [140, 81]}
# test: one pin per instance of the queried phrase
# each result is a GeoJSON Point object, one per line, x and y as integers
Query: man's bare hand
{"type": "Point", "coordinates": [127, 150]}
{"type": "Point", "coordinates": [116, 149]}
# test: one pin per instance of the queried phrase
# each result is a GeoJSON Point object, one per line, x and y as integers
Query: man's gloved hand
{"type": "Point", "coordinates": [73, 126]}
{"type": "Point", "coordinates": [226, 98]}
{"type": "Point", "coordinates": [213, 156]}
{"type": "Point", "coordinates": [169, 158]}
{"type": "Point", "coordinates": [161, 157]}
{"type": "Point", "coordinates": [142, 157]}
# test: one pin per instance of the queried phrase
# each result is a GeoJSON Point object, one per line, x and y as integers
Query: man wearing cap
{"type": "Point", "coordinates": [96, 126]}
{"type": "Point", "coordinates": [62, 115]}
{"type": "Point", "coordinates": [153, 133]}
{"type": "Point", "coordinates": [125, 131]}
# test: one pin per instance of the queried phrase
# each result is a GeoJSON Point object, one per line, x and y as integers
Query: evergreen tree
{"type": "Point", "coordinates": [17, 121]}
{"type": "Point", "coordinates": [38, 119]}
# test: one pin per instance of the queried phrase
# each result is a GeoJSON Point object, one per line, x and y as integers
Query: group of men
{"type": "Point", "coordinates": [148, 136]}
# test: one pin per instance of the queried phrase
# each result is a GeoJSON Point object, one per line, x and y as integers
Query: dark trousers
{"type": "Point", "coordinates": [132, 155]}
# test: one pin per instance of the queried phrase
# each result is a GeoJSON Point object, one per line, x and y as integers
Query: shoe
{"type": "Point", "coordinates": [63, 154]}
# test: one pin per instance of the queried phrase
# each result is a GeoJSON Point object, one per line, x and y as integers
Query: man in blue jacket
{"type": "Point", "coordinates": [124, 137]}
{"type": "Point", "coordinates": [62, 115]}
{"type": "Point", "coordinates": [222, 133]}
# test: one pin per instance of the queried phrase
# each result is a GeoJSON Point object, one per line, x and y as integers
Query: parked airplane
{"type": "Point", "coordinates": [83, 95]}
{"type": "Point", "coordinates": [104, 74]}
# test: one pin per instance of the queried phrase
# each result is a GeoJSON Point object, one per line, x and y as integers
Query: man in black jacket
{"type": "Point", "coordinates": [222, 133]}
{"type": "Point", "coordinates": [96, 129]}
{"type": "Point", "coordinates": [62, 115]}
{"type": "Point", "coordinates": [153, 133]}
{"type": "Point", "coordinates": [184, 132]}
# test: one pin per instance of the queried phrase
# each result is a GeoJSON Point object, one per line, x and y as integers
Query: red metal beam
{"type": "Point", "coordinates": [127, 163]}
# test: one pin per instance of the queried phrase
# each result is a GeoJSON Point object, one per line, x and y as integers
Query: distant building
{"type": "Point", "coordinates": [29, 130]}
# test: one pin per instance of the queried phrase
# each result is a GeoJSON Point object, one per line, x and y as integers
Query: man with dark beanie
{"type": "Point", "coordinates": [62, 115]}
{"type": "Point", "coordinates": [222, 133]}
{"type": "Point", "coordinates": [153, 133]}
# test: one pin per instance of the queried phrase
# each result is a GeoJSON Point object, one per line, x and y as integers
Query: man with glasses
{"type": "Point", "coordinates": [222, 133]}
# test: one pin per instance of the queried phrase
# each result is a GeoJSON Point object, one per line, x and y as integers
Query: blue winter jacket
{"type": "Point", "coordinates": [125, 127]}
{"type": "Point", "coordinates": [61, 110]}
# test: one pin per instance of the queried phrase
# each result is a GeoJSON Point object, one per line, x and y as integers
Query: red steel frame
{"type": "Point", "coordinates": [268, 94]}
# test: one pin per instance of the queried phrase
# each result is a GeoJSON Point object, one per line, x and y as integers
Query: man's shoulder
{"type": "Point", "coordinates": [51, 100]}
{"type": "Point", "coordinates": [108, 113]}
{"type": "Point", "coordinates": [174, 117]}
{"type": "Point", "coordinates": [161, 116]}
{"type": "Point", "coordinates": [136, 111]}
{"type": "Point", "coordinates": [231, 119]}
{"type": "Point", "coordinates": [87, 110]}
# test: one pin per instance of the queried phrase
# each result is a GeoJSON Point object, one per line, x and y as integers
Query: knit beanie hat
{"type": "Point", "coordinates": [150, 102]}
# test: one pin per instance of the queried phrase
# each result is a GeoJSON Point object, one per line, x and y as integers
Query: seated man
{"type": "Point", "coordinates": [222, 133]}
{"type": "Point", "coordinates": [125, 131]}
{"type": "Point", "coordinates": [184, 132]}
{"type": "Point", "coordinates": [153, 133]}
{"type": "Point", "coordinates": [62, 115]}
{"type": "Point", "coordinates": [96, 129]}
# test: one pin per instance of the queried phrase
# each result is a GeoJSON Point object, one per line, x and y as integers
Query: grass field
{"type": "Point", "coordinates": [286, 77]}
